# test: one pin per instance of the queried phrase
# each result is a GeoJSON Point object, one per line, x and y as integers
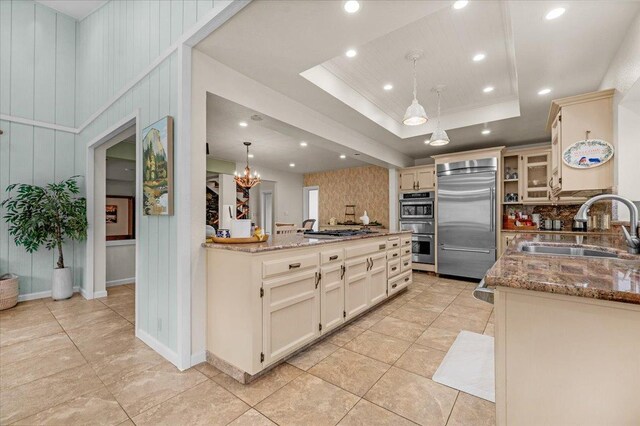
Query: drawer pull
{"type": "Point", "coordinates": [294, 265]}
{"type": "Point", "coordinates": [394, 268]}
{"type": "Point", "coordinates": [382, 246]}
{"type": "Point", "coordinates": [406, 263]}
{"type": "Point", "coordinates": [395, 254]}
{"type": "Point", "coordinates": [394, 285]}
{"type": "Point", "coordinates": [406, 279]}
{"type": "Point", "coordinates": [334, 257]}
{"type": "Point", "coordinates": [395, 244]}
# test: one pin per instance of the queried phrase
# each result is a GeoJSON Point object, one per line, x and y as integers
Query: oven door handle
{"type": "Point", "coordinates": [467, 250]}
{"type": "Point", "coordinates": [416, 202]}
{"type": "Point", "coordinates": [421, 237]}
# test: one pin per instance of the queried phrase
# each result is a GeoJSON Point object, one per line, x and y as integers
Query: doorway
{"type": "Point", "coordinates": [311, 205]}
{"type": "Point", "coordinates": [113, 213]}
{"type": "Point", "coordinates": [266, 211]}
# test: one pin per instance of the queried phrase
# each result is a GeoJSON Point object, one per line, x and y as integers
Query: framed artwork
{"type": "Point", "coordinates": [111, 213]}
{"type": "Point", "coordinates": [120, 215]}
{"type": "Point", "coordinates": [157, 168]}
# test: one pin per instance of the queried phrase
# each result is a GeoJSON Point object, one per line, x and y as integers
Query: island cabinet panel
{"type": "Point", "coordinates": [291, 314]}
{"type": "Point", "coordinates": [378, 278]}
{"type": "Point", "coordinates": [332, 296]}
{"type": "Point", "coordinates": [289, 264]}
{"type": "Point", "coordinates": [356, 298]}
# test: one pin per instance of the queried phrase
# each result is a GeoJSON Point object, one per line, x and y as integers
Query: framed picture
{"type": "Point", "coordinates": [111, 213]}
{"type": "Point", "coordinates": [120, 215]}
{"type": "Point", "coordinates": [157, 168]}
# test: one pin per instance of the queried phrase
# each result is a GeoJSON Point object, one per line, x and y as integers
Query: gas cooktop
{"type": "Point", "coordinates": [337, 233]}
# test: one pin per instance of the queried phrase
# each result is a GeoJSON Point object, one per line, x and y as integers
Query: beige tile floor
{"type": "Point", "coordinates": [78, 362]}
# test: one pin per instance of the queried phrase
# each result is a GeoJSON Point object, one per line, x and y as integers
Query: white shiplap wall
{"type": "Point", "coordinates": [114, 44]}
{"type": "Point", "coordinates": [93, 60]}
{"type": "Point", "coordinates": [37, 82]}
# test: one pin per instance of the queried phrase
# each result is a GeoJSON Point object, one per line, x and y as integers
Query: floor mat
{"type": "Point", "coordinates": [469, 366]}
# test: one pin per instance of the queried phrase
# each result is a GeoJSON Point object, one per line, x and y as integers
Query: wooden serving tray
{"type": "Point", "coordinates": [253, 239]}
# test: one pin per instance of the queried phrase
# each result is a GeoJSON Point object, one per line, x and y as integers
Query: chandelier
{"type": "Point", "coordinates": [246, 180]}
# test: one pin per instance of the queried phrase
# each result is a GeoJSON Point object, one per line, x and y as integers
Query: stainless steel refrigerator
{"type": "Point", "coordinates": [467, 217]}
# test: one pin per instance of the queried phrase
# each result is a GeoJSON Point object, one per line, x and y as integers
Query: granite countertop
{"type": "Point", "coordinates": [564, 232]}
{"type": "Point", "coordinates": [295, 241]}
{"type": "Point", "coordinates": [596, 278]}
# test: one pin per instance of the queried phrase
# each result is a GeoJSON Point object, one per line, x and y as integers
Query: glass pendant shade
{"type": "Point", "coordinates": [439, 138]}
{"type": "Point", "coordinates": [415, 114]}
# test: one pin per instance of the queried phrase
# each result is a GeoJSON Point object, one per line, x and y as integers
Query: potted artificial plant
{"type": "Point", "coordinates": [46, 216]}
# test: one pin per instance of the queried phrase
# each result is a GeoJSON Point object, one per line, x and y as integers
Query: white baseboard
{"type": "Point", "coordinates": [40, 295]}
{"type": "Point", "coordinates": [198, 358]}
{"type": "Point", "coordinates": [99, 294]}
{"type": "Point", "coordinates": [85, 294]}
{"type": "Point", "coordinates": [122, 281]}
{"type": "Point", "coordinates": [161, 348]}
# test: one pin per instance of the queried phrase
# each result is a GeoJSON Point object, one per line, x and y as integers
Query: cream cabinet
{"type": "Point", "coordinates": [331, 296]}
{"type": "Point", "coordinates": [505, 240]}
{"type": "Point", "coordinates": [535, 176]}
{"type": "Point", "coordinates": [263, 307]}
{"type": "Point", "coordinates": [417, 178]}
{"type": "Point", "coordinates": [291, 311]}
{"type": "Point", "coordinates": [378, 278]}
{"type": "Point", "coordinates": [356, 299]}
{"type": "Point", "coordinates": [573, 119]}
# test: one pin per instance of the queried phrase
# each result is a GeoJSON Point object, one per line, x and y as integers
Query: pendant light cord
{"type": "Point", "coordinates": [415, 81]}
{"type": "Point", "coordinates": [438, 108]}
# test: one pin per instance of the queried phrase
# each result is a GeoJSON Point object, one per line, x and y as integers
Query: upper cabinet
{"type": "Point", "coordinates": [417, 178]}
{"type": "Point", "coordinates": [574, 119]}
{"type": "Point", "coordinates": [526, 175]}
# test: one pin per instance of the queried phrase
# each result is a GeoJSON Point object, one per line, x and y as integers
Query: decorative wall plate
{"type": "Point", "coordinates": [587, 153]}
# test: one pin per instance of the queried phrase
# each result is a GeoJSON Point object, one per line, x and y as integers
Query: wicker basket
{"type": "Point", "coordinates": [8, 291]}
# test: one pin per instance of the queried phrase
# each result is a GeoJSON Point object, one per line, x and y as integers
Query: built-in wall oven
{"type": "Point", "coordinates": [417, 206]}
{"type": "Point", "coordinates": [416, 215]}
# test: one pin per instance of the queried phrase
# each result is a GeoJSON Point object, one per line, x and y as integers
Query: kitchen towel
{"type": "Point", "coordinates": [469, 366]}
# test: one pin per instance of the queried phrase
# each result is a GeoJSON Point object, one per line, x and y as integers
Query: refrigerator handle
{"type": "Point", "coordinates": [492, 208]}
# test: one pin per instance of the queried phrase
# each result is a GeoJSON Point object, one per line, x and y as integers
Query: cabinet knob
{"type": "Point", "coordinates": [394, 285]}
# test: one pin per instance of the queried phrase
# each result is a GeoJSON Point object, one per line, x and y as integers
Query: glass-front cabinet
{"type": "Point", "coordinates": [536, 168]}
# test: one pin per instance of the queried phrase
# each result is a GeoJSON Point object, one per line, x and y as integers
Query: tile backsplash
{"type": "Point", "coordinates": [565, 212]}
{"type": "Point", "coordinates": [366, 187]}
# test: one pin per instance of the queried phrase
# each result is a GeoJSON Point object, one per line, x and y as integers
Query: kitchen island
{"type": "Point", "coordinates": [567, 333]}
{"type": "Point", "coordinates": [267, 301]}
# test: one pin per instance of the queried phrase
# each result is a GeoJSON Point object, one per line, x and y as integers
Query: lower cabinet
{"type": "Point", "coordinates": [356, 299]}
{"type": "Point", "coordinates": [332, 296]}
{"type": "Point", "coordinates": [290, 310]}
{"type": "Point", "coordinates": [377, 278]}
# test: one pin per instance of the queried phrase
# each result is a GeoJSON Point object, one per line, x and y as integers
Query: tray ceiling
{"type": "Point", "coordinates": [449, 39]}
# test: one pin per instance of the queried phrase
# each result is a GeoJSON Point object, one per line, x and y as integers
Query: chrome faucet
{"type": "Point", "coordinates": [633, 242]}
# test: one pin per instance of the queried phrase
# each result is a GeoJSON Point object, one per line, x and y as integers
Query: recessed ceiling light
{"type": "Point", "coordinates": [478, 57]}
{"type": "Point", "coordinates": [488, 89]}
{"type": "Point", "coordinates": [292, 164]}
{"type": "Point", "coordinates": [250, 155]}
{"type": "Point", "coordinates": [243, 124]}
{"type": "Point", "coordinates": [387, 86]}
{"type": "Point", "coordinates": [544, 91]}
{"type": "Point", "coordinates": [486, 132]}
{"type": "Point", "coordinates": [351, 53]}
{"type": "Point", "coordinates": [303, 144]}
{"type": "Point", "coordinates": [460, 4]}
{"type": "Point", "coordinates": [351, 6]}
{"type": "Point", "coordinates": [555, 13]}
{"type": "Point", "coordinates": [343, 156]}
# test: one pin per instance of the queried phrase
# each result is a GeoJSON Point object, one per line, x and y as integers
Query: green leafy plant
{"type": "Point", "coordinates": [46, 215]}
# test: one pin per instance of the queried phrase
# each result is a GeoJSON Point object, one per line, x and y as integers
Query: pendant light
{"type": "Point", "coordinates": [415, 114]}
{"type": "Point", "coordinates": [439, 137]}
{"type": "Point", "coordinates": [245, 180]}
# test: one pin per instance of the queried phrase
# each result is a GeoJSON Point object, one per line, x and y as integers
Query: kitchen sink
{"type": "Point", "coordinates": [566, 251]}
